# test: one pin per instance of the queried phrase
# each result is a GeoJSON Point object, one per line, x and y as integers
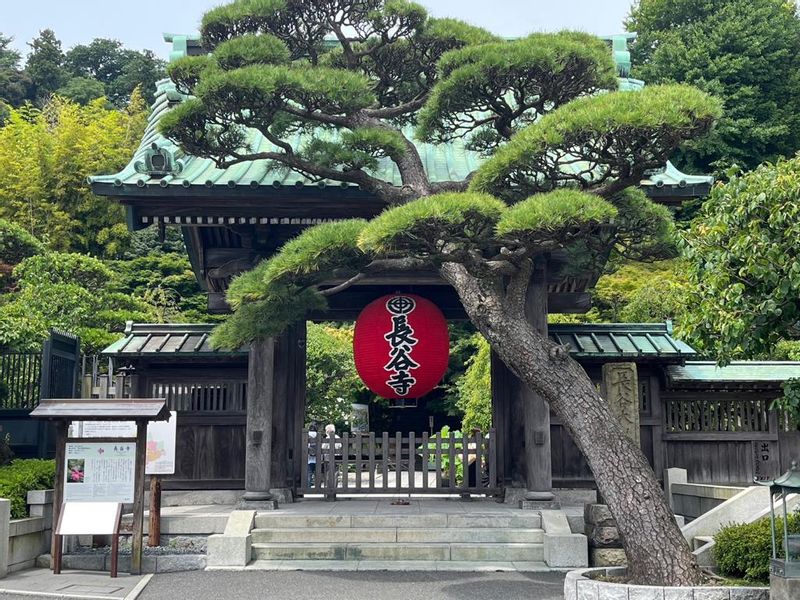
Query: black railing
{"type": "Point", "coordinates": [20, 379]}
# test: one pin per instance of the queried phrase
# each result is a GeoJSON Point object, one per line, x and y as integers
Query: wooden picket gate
{"type": "Point", "coordinates": [366, 463]}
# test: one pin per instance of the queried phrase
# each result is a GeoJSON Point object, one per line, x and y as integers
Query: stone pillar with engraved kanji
{"type": "Point", "coordinates": [621, 389]}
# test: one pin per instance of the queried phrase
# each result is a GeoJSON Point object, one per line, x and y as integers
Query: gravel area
{"type": "Point", "coordinates": [172, 546]}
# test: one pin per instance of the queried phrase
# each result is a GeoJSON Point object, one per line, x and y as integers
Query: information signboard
{"type": "Point", "coordinates": [160, 440]}
{"type": "Point", "coordinates": [99, 471]}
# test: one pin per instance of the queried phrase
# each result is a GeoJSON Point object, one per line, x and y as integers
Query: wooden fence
{"type": "Point", "coordinates": [719, 415]}
{"type": "Point", "coordinates": [362, 463]}
{"type": "Point", "coordinates": [198, 396]}
{"type": "Point", "coordinates": [20, 377]}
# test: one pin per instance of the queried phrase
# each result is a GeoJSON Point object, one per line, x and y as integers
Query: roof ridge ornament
{"type": "Point", "coordinates": [182, 44]}
{"type": "Point", "coordinates": [620, 52]}
{"type": "Point", "coordinates": [158, 162]}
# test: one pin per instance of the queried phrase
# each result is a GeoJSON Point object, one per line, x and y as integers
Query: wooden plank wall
{"type": "Point", "coordinates": [212, 416]}
{"type": "Point", "coordinates": [719, 437]}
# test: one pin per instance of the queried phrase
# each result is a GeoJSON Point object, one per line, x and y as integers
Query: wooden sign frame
{"type": "Point", "coordinates": [140, 410]}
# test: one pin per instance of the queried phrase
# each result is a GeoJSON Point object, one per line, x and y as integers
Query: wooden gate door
{"type": "Point", "coordinates": [402, 463]}
{"type": "Point", "coordinates": [60, 376]}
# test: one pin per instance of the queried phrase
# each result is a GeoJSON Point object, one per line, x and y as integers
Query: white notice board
{"type": "Point", "coordinates": [89, 518]}
{"type": "Point", "coordinates": [160, 440]}
{"type": "Point", "coordinates": [99, 471]}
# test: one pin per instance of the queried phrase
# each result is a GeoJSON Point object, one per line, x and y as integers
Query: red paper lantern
{"type": "Point", "coordinates": [401, 346]}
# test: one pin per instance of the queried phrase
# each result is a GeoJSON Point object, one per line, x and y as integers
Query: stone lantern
{"type": "Point", "coordinates": [785, 565]}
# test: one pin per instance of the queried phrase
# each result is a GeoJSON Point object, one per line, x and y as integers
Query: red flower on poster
{"type": "Point", "coordinates": [401, 346]}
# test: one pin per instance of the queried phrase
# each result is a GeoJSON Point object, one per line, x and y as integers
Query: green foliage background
{"type": "Point", "coordinates": [22, 476]}
{"type": "Point", "coordinates": [746, 52]}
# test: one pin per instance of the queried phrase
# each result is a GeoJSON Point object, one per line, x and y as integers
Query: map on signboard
{"type": "Point", "coordinates": [161, 446]}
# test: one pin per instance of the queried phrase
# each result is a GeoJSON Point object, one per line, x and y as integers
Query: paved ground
{"type": "Point", "coordinates": [383, 585]}
{"type": "Point", "coordinates": [35, 584]}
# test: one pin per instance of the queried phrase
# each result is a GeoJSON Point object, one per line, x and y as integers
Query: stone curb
{"type": "Point", "coordinates": [578, 586]}
{"type": "Point", "coordinates": [168, 563]}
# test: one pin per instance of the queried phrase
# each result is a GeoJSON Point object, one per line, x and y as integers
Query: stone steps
{"type": "Point", "coordinates": [398, 534]}
{"type": "Point", "coordinates": [429, 551]}
{"type": "Point", "coordinates": [275, 520]}
{"type": "Point", "coordinates": [437, 537]}
{"type": "Point", "coordinates": [395, 565]}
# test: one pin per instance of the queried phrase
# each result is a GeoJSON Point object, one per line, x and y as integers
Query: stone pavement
{"type": "Point", "coordinates": [385, 585]}
{"type": "Point", "coordinates": [40, 584]}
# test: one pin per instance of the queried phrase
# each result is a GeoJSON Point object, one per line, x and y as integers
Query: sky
{"type": "Point", "coordinates": [139, 24]}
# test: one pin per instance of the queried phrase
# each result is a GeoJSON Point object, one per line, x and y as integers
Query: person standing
{"type": "Point", "coordinates": [330, 436]}
{"type": "Point", "coordinates": [313, 444]}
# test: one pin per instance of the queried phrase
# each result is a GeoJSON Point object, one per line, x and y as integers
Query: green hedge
{"type": "Point", "coordinates": [744, 550]}
{"type": "Point", "coordinates": [22, 476]}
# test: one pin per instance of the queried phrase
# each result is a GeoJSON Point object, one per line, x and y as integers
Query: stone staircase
{"type": "Point", "coordinates": [489, 538]}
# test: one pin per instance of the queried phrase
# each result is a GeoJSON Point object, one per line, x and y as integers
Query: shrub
{"type": "Point", "coordinates": [744, 550]}
{"type": "Point", "coordinates": [22, 476]}
{"type": "Point", "coordinates": [16, 244]}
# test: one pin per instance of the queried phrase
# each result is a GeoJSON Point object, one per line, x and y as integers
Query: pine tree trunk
{"type": "Point", "coordinates": [657, 552]}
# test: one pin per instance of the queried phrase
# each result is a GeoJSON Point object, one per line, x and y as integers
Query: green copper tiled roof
{"type": "Point", "coordinates": [443, 162]}
{"type": "Point", "coordinates": [615, 341]}
{"type": "Point", "coordinates": [149, 340]}
{"type": "Point", "coordinates": [737, 372]}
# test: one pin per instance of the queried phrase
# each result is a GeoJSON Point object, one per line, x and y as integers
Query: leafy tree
{"type": "Point", "coordinates": [475, 389]}
{"type": "Point", "coordinates": [747, 52]}
{"type": "Point", "coordinates": [82, 90]}
{"type": "Point", "coordinates": [742, 248]}
{"type": "Point", "coordinates": [16, 245]}
{"type": "Point", "coordinates": [45, 156]}
{"type": "Point", "coordinates": [14, 82]}
{"type": "Point", "coordinates": [742, 256]}
{"type": "Point", "coordinates": [463, 345]}
{"type": "Point", "coordinates": [100, 60]}
{"type": "Point", "coordinates": [164, 280]}
{"type": "Point", "coordinates": [332, 383]}
{"type": "Point", "coordinates": [119, 70]}
{"type": "Point", "coordinates": [45, 65]}
{"type": "Point", "coordinates": [536, 109]}
{"type": "Point", "coordinates": [139, 70]}
{"type": "Point", "coordinates": [66, 291]}
{"type": "Point", "coordinates": [641, 293]}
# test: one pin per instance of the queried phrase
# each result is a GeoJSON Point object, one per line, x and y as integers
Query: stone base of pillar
{"type": "Point", "coordinates": [534, 500]}
{"type": "Point", "coordinates": [257, 501]}
{"type": "Point", "coordinates": [540, 505]}
{"type": "Point", "coordinates": [256, 505]}
{"type": "Point", "coordinates": [282, 495]}
{"type": "Point", "coordinates": [513, 495]}
{"type": "Point", "coordinates": [539, 496]}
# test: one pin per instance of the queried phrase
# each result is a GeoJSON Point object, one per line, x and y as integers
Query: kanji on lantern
{"type": "Point", "coordinates": [401, 346]}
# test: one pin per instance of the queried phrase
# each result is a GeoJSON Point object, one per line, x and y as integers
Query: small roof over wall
{"type": "Point", "coordinates": [167, 340]}
{"type": "Point", "coordinates": [610, 342]}
{"type": "Point", "coordinates": [124, 409]}
{"type": "Point", "coordinates": [622, 341]}
{"type": "Point", "coordinates": [738, 374]}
